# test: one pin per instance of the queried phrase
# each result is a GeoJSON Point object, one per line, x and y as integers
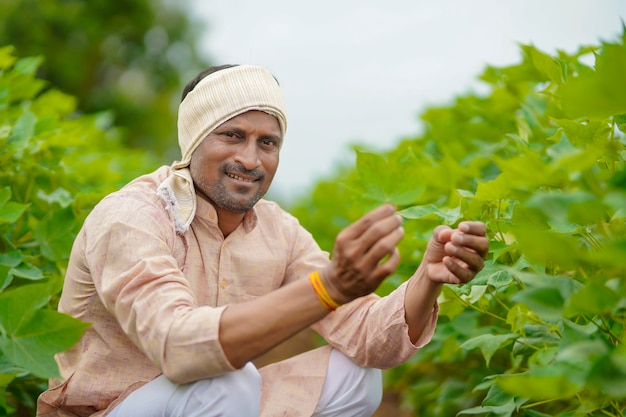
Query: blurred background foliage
{"type": "Point", "coordinates": [130, 58]}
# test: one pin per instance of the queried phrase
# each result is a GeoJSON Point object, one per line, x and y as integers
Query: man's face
{"type": "Point", "coordinates": [234, 165]}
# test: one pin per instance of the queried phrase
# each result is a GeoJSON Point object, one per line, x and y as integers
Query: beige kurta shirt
{"type": "Point", "coordinates": [154, 299]}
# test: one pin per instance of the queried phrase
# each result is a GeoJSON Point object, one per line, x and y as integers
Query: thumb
{"type": "Point", "coordinates": [435, 249]}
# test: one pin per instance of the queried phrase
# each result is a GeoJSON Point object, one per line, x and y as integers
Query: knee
{"type": "Point", "coordinates": [372, 393]}
{"type": "Point", "coordinates": [243, 384]}
{"type": "Point", "coordinates": [349, 389]}
{"type": "Point", "coordinates": [367, 383]}
{"type": "Point", "coordinates": [236, 394]}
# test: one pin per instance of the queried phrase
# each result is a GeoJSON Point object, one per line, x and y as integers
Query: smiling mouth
{"type": "Point", "coordinates": [238, 178]}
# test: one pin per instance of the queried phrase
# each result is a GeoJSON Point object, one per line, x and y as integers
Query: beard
{"type": "Point", "coordinates": [238, 201]}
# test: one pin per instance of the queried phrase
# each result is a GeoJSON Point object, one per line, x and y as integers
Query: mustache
{"type": "Point", "coordinates": [238, 169]}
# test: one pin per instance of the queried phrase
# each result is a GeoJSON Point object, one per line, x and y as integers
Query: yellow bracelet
{"type": "Point", "coordinates": [322, 294]}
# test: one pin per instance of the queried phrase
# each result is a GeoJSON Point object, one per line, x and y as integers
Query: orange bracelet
{"type": "Point", "coordinates": [322, 294]}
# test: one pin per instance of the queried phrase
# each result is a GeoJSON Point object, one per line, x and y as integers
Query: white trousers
{"type": "Point", "coordinates": [349, 391]}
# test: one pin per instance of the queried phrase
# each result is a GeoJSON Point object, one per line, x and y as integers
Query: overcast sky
{"type": "Point", "coordinates": [357, 71]}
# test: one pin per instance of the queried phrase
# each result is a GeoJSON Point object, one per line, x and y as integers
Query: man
{"type": "Point", "coordinates": [187, 275]}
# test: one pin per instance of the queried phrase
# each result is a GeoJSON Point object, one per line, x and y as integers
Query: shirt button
{"type": "Point", "coordinates": [224, 283]}
{"type": "Point", "coordinates": [212, 215]}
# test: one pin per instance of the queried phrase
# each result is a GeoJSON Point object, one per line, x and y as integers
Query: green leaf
{"type": "Point", "coordinates": [545, 64]}
{"type": "Point", "coordinates": [611, 254]}
{"type": "Point", "coordinates": [518, 316]}
{"type": "Point", "coordinates": [477, 292]}
{"type": "Point", "coordinates": [593, 298]}
{"type": "Point", "coordinates": [584, 133]}
{"type": "Point", "coordinates": [528, 171]}
{"type": "Point", "coordinates": [533, 413]}
{"type": "Point", "coordinates": [499, 410]}
{"type": "Point", "coordinates": [35, 342]}
{"type": "Point", "coordinates": [496, 189]}
{"type": "Point", "coordinates": [547, 247]}
{"type": "Point", "coordinates": [537, 387]}
{"type": "Point", "coordinates": [620, 121]}
{"type": "Point", "coordinates": [11, 211]}
{"type": "Point", "coordinates": [22, 131]}
{"type": "Point", "coordinates": [609, 374]}
{"type": "Point", "coordinates": [6, 379]}
{"type": "Point", "coordinates": [7, 59]}
{"type": "Point", "coordinates": [546, 302]}
{"type": "Point", "coordinates": [493, 274]}
{"type": "Point", "coordinates": [496, 397]}
{"type": "Point", "coordinates": [5, 195]}
{"type": "Point", "coordinates": [7, 368]}
{"type": "Point", "coordinates": [488, 344]}
{"type": "Point", "coordinates": [27, 271]}
{"type": "Point", "coordinates": [5, 277]}
{"type": "Point", "coordinates": [17, 305]}
{"type": "Point", "coordinates": [429, 211]}
{"type": "Point", "coordinates": [384, 180]}
{"type": "Point", "coordinates": [55, 234]}
{"type": "Point", "coordinates": [449, 304]}
{"type": "Point", "coordinates": [582, 354]}
{"type": "Point", "coordinates": [565, 208]}
{"type": "Point", "coordinates": [28, 65]}
{"type": "Point", "coordinates": [29, 336]}
{"type": "Point", "coordinates": [543, 357]}
{"type": "Point", "coordinates": [600, 94]}
{"type": "Point", "coordinates": [13, 258]}
{"type": "Point", "coordinates": [54, 102]}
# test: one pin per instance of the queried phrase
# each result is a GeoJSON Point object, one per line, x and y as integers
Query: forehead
{"type": "Point", "coordinates": [255, 119]}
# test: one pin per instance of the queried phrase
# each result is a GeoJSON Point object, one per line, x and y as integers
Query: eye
{"type": "Point", "coordinates": [231, 135]}
{"type": "Point", "coordinates": [269, 144]}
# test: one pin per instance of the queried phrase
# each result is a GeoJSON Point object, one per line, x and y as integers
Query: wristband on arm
{"type": "Point", "coordinates": [322, 294]}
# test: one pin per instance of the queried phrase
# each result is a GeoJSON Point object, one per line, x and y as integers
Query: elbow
{"type": "Point", "coordinates": [184, 366]}
{"type": "Point", "coordinates": [178, 375]}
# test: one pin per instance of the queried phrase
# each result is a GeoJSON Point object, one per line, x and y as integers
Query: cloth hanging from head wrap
{"type": "Point", "coordinates": [218, 97]}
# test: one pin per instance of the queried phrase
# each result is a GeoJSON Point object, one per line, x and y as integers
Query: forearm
{"type": "Point", "coordinates": [419, 301]}
{"type": "Point", "coordinates": [250, 329]}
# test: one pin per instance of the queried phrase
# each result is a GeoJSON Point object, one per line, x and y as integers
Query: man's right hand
{"type": "Point", "coordinates": [358, 265]}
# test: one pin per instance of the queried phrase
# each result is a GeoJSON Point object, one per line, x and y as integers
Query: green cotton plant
{"type": "Point", "coordinates": [56, 164]}
{"type": "Point", "coordinates": [540, 159]}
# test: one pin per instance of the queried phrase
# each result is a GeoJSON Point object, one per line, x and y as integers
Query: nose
{"type": "Point", "coordinates": [248, 155]}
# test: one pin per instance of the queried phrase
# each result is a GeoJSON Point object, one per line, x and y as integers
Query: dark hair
{"type": "Point", "coordinates": [192, 84]}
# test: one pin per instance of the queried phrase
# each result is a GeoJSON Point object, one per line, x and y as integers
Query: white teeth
{"type": "Point", "coordinates": [236, 177]}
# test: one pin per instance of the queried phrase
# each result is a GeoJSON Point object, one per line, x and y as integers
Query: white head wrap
{"type": "Point", "coordinates": [218, 97]}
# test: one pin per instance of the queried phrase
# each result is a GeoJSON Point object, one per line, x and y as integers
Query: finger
{"type": "Point", "coordinates": [473, 228]}
{"type": "Point", "coordinates": [359, 227]}
{"type": "Point", "coordinates": [468, 258]}
{"type": "Point", "coordinates": [458, 273]}
{"type": "Point", "coordinates": [385, 246]}
{"type": "Point", "coordinates": [440, 272]}
{"type": "Point", "coordinates": [386, 268]}
{"type": "Point", "coordinates": [478, 244]}
{"type": "Point", "coordinates": [442, 233]}
{"type": "Point", "coordinates": [434, 250]}
{"type": "Point", "coordinates": [379, 231]}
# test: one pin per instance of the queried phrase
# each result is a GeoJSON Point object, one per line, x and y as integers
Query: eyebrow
{"type": "Point", "coordinates": [231, 128]}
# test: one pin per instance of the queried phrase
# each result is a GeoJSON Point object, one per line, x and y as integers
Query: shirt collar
{"type": "Point", "coordinates": [206, 211]}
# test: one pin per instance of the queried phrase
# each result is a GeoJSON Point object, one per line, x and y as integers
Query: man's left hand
{"type": "Point", "coordinates": [455, 256]}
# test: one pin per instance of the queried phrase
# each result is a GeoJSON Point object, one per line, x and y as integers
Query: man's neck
{"type": "Point", "coordinates": [228, 221]}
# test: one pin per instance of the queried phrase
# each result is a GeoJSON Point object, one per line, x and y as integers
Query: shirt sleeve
{"type": "Point", "coordinates": [130, 253]}
{"type": "Point", "coordinates": [373, 330]}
